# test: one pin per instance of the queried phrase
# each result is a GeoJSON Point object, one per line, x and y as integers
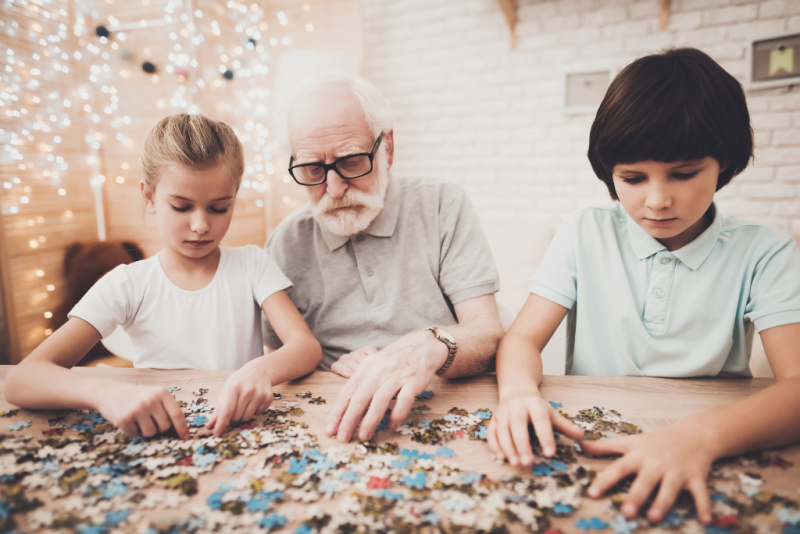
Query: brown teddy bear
{"type": "Point", "coordinates": [85, 264]}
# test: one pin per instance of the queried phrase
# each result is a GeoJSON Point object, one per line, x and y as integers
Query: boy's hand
{"type": "Point", "coordinates": [508, 436]}
{"type": "Point", "coordinates": [247, 392]}
{"type": "Point", "coordinates": [675, 458]}
{"type": "Point", "coordinates": [142, 410]}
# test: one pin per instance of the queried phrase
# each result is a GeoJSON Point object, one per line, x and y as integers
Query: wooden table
{"type": "Point", "coordinates": [649, 403]}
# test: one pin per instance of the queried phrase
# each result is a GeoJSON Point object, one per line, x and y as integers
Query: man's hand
{"type": "Point", "coordinates": [675, 458]}
{"type": "Point", "coordinates": [247, 392]}
{"type": "Point", "coordinates": [508, 435]}
{"type": "Point", "coordinates": [404, 368]}
{"type": "Point", "coordinates": [347, 364]}
{"type": "Point", "coordinates": [143, 410]}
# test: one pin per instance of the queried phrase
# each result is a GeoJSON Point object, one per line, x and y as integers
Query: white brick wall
{"type": "Point", "coordinates": [472, 110]}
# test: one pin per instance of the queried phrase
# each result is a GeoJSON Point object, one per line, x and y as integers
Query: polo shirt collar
{"type": "Point", "coordinates": [383, 225]}
{"type": "Point", "coordinates": [692, 255]}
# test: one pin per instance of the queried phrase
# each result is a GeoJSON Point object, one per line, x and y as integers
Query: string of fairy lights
{"type": "Point", "coordinates": [97, 45]}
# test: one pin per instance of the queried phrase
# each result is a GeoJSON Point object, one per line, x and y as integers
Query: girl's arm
{"type": "Point", "coordinates": [43, 380]}
{"type": "Point", "coordinates": [519, 372]}
{"type": "Point", "coordinates": [248, 391]}
{"type": "Point", "coordinates": [680, 455]}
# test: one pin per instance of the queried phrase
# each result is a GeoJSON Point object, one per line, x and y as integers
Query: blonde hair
{"type": "Point", "coordinates": [193, 141]}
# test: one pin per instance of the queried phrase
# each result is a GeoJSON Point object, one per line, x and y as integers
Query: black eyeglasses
{"type": "Point", "coordinates": [348, 167]}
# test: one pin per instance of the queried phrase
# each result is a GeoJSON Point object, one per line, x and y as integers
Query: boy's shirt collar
{"type": "Point", "coordinates": [692, 255]}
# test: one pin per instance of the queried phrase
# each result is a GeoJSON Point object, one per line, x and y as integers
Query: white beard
{"type": "Point", "coordinates": [349, 222]}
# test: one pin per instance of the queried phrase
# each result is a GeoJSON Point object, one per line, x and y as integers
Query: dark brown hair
{"type": "Point", "coordinates": [673, 106]}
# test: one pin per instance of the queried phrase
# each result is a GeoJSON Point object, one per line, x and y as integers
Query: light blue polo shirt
{"type": "Point", "coordinates": [638, 309]}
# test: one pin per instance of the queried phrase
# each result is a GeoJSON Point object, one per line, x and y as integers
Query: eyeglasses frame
{"type": "Point", "coordinates": [332, 166]}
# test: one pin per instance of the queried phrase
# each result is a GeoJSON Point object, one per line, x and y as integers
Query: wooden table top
{"type": "Point", "coordinates": [36, 462]}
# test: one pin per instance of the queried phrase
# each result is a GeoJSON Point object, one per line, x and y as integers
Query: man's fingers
{"type": "Point", "coordinates": [376, 411]}
{"type": "Point", "coordinates": [146, 425]}
{"type": "Point", "coordinates": [342, 402]}
{"type": "Point", "coordinates": [402, 406]}
{"type": "Point", "coordinates": [357, 406]}
{"type": "Point", "coordinates": [224, 414]}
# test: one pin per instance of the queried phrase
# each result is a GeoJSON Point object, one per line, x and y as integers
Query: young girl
{"type": "Point", "coordinates": [193, 305]}
{"type": "Point", "coordinates": [661, 284]}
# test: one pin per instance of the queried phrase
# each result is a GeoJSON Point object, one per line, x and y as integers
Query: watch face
{"type": "Point", "coordinates": [446, 335]}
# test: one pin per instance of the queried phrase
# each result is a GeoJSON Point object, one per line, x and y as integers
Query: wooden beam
{"type": "Point", "coordinates": [663, 15]}
{"type": "Point", "coordinates": [510, 12]}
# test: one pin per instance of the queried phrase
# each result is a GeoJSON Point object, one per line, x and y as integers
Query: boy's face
{"type": "Point", "coordinates": [668, 200]}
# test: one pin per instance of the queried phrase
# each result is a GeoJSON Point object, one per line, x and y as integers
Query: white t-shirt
{"type": "Point", "coordinates": [216, 327]}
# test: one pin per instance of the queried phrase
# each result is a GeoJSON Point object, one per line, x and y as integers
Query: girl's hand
{"type": "Point", "coordinates": [675, 458]}
{"type": "Point", "coordinates": [142, 410]}
{"type": "Point", "coordinates": [508, 429]}
{"type": "Point", "coordinates": [247, 392]}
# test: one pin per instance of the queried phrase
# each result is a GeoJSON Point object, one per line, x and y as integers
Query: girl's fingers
{"type": "Point", "coordinates": [667, 493]}
{"type": "Point", "coordinates": [544, 431]}
{"type": "Point", "coordinates": [640, 490]}
{"type": "Point", "coordinates": [610, 476]}
{"type": "Point", "coordinates": [702, 501]}
{"type": "Point", "coordinates": [521, 439]}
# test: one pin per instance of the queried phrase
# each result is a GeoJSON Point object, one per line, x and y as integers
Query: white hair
{"type": "Point", "coordinates": [377, 111]}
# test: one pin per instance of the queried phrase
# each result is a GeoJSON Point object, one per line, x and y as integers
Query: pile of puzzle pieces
{"type": "Point", "coordinates": [82, 475]}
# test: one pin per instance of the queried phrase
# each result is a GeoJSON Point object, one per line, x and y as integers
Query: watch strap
{"type": "Point", "coordinates": [452, 347]}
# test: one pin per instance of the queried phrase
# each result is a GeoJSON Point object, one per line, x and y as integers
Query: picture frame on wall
{"type": "Point", "coordinates": [773, 61]}
{"type": "Point", "coordinates": [584, 89]}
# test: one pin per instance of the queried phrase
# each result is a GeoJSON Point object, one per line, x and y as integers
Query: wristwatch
{"type": "Point", "coordinates": [450, 342]}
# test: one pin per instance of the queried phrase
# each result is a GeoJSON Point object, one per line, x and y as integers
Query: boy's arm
{"type": "Point", "coordinates": [248, 391]}
{"type": "Point", "coordinates": [43, 380]}
{"type": "Point", "coordinates": [519, 372]}
{"type": "Point", "coordinates": [680, 455]}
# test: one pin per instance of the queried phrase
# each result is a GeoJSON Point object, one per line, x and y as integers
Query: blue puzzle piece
{"type": "Point", "coordinates": [484, 414]}
{"type": "Point", "coordinates": [482, 432]}
{"type": "Point", "coordinates": [204, 460]}
{"type": "Point", "coordinates": [424, 395]}
{"type": "Point", "coordinates": [471, 478]}
{"type": "Point", "coordinates": [446, 452]}
{"type": "Point", "coordinates": [272, 521]}
{"type": "Point", "coordinates": [542, 469]}
{"type": "Point", "coordinates": [198, 420]}
{"type": "Point", "coordinates": [787, 517]}
{"type": "Point", "coordinates": [114, 518]}
{"type": "Point", "coordinates": [173, 389]}
{"type": "Point", "coordinates": [555, 405]}
{"type": "Point", "coordinates": [417, 480]}
{"type": "Point", "coordinates": [322, 465]}
{"type": "Point", "coordinates": [389, 495]}
{"type": "Point", "coordinates": [562, 509]}
{"type": "Point", "coordinates": [297, 466]}
{"type": "Point", "coordinates": [329, 487]}
{"type": "Point", "coordinates": [594, 523]}
{"type": "Point", "coordinates": [94, 417]}
{"type": "Point", "coordinates": [350, 476]}
{"type": "Point", "coordinates": [433, 518]}
{"type": "Point", "coordinates": [236, 466]}
{"type": "Point", "coordinates": [401, 464]}
{"type": "Point", "coordinates": [621, 525]}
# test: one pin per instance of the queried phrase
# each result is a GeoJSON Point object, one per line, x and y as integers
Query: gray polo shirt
{"type": "Point", "coordinates": [424, 253]}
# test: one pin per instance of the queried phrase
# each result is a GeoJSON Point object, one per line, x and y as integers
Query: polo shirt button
{"type": "Point", "coordinates": [360, 237]}
{"type": "Point", "coordinates": [370, 272]}
{"type": "Point", "coordinates": [658, 293]}
{"type": "Point", "coordinates": [664, 260]}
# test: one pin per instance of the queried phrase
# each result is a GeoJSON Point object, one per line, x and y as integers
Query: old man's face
{"type": "Point", "coordinates": [328, 127]}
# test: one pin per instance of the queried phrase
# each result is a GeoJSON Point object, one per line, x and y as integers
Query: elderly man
{"type": "Point", "coordinates": [394, 276]}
